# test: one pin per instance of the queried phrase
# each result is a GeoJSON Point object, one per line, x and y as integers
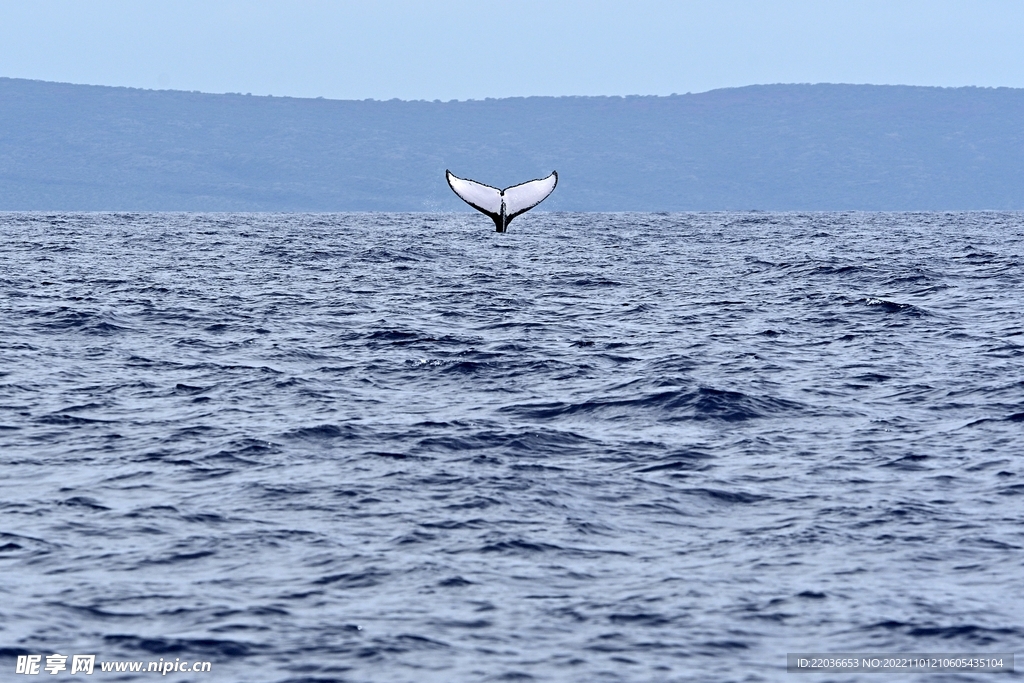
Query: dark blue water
{"type": "Point", "coordinates": [622, 447]}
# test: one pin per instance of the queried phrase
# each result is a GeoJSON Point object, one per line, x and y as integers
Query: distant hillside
{"type": "Point", "coordinates": [800, 147]}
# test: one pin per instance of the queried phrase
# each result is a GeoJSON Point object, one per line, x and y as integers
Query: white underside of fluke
{"type": "Point", "coordinates": [502, 205]}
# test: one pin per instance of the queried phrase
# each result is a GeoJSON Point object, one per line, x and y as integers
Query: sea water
{"type": "Point", "coordinates": [599, 447]}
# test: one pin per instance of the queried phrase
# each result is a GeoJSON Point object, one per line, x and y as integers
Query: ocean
{"type": "Point", "coordinates": [599, 447]}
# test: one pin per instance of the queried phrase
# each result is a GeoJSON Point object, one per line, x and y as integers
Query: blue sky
{"type": "Point", "coordinates": [452, 49]}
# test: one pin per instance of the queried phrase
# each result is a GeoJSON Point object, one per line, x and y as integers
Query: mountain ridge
{"type": "Point", "coordinates": [769, 147]}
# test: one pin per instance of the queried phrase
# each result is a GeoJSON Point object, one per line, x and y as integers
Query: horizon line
{"type": "Point", "coordinates": [511, 97]}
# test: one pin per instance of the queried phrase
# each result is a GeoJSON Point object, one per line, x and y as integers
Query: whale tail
{"type": "Point", "coordinates": [501, 206]}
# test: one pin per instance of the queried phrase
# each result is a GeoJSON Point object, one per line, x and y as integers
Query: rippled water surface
{"type": "Point", "coordinates": [622, 447]}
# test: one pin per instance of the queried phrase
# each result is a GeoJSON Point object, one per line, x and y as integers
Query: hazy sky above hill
{"type": "Point", "coordinates": [455, 49]}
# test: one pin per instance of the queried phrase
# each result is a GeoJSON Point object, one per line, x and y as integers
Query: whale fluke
{"type": "Point", "coordinates": [502, 205]}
